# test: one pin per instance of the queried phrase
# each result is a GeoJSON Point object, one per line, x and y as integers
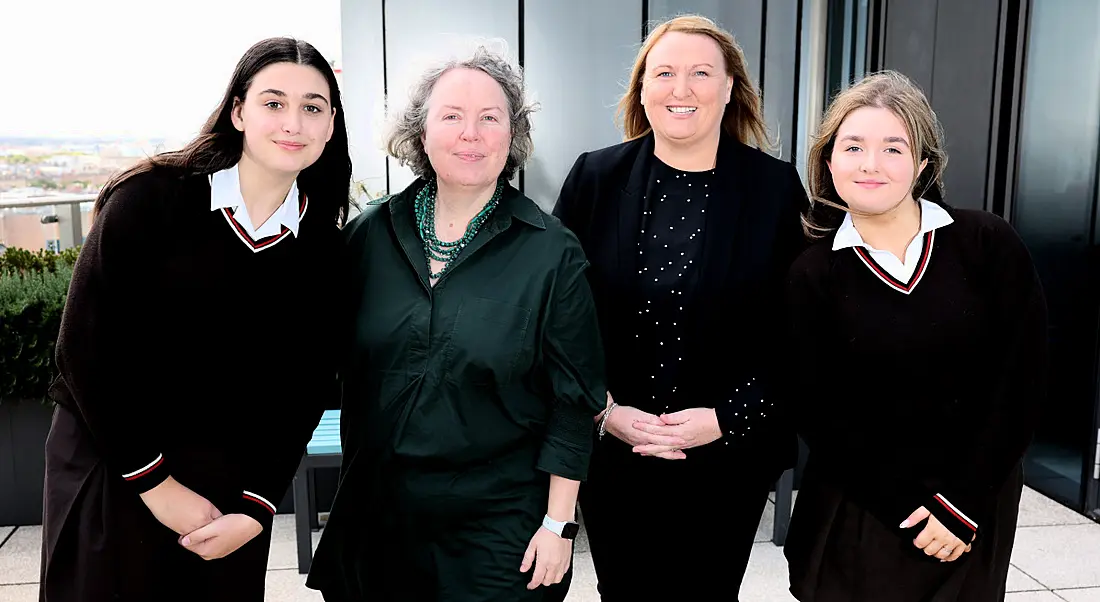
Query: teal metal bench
{"type": "Point", "coordinates": [322, 451]}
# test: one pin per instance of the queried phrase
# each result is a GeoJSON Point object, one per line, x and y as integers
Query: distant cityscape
{"type": "Point", "coordinates": [37, 167]}
{"type": "Point", "coordinates": [32, 168]}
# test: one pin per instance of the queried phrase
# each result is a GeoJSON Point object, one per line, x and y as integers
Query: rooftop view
{"type": "Point", "coordinates": [769, 301]}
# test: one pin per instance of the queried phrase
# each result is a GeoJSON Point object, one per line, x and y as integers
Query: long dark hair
{"type": "Point", "coordinates": [219, 145]}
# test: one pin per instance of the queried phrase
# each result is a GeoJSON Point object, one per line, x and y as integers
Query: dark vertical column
{"type": "Point", "coordinates": [876, 34]}
{"type": "Point", "coordinates": [385, 88]}
{"type": "Point", "coordinates": [910, 40]}
{"type": "Point", "coordinates": [521, 176]}
{"type": "Point", "coordinates": [950, 49]}
{"type": "Point", "coordinates": [1005, 120]}
{"type": "Point", "coordinates": [963, 81]}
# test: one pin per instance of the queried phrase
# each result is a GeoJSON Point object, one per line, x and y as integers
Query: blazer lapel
{"type": "Point", "coordinates": [721, 234]}
{"type": "Point", "coordinates": [630, 206]}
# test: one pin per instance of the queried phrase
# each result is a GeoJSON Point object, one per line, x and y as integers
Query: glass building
{"type": "Point", "coordinates": [1016, 84]}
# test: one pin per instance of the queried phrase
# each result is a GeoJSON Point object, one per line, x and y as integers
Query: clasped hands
{"type": "Point", "coordinates": [935, 539]}
{"type": "Point", "coordinates": [665, 436]}
{"type": "Point", "coordinates": [202, 528]}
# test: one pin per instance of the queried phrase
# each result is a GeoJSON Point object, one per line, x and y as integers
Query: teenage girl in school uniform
{"type": "Point", "coordinates": [194, 356]}
{"type": "Point", "coordinates": [919, 333]}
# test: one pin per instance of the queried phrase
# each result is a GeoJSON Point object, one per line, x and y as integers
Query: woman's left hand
{"type": "Point", "coordinates": [222, 537]}
{"type": "Point", "coordinates": [936, 539]}
{"type": "Point", "coordinates": [697, 427]}
{"type": "Point", "coordinates": [550, 556]}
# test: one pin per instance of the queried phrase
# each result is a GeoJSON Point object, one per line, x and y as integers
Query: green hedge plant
{"type": "Point", "coordinates": [33, 287]}
{"type": "Point", "coordinates": [16, 260]}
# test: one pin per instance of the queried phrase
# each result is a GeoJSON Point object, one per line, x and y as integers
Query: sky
{"type": "Point", "coordinates": [136, 68]}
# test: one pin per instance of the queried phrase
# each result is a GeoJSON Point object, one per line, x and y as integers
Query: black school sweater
{"type": "Point", "coordinates": [185, 351]}
{"type": "Point", "coordinates": [922, 393]}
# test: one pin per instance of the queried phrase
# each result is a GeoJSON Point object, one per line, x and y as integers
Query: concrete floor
{"type": "Point", "coordinates": [1056, 559]}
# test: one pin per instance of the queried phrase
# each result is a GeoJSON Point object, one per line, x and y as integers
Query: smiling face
{"type": "Point", "coordinates": [685, 87]}
{"type": "Point", "coordinates": [467, 134]}
{"type": "Point", "coordinates": [872, 161]}
{"type": "Point", "coordinates": [286, 117]}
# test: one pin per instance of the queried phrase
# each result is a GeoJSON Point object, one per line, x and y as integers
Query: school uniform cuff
{"type": "Point", "coordinates": [146, 473]}
{"type": "Point", "coordinates": [258, 507]}
{"type": "Point", "coordinates": [952, 517]}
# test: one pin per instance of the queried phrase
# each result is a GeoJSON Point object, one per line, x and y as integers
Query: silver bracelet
{"type": "Point", "coordinates": [603, 421]}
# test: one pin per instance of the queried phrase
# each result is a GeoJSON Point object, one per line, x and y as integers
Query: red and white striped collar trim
{"type": "Point", "coordinates": [225, 196]}
{"type": "Point", "coordinates": [266, 242]}
{"type": "Point", "coordinates": [894, 283]}
{"type": "Point", "coordinates": [932, 217]}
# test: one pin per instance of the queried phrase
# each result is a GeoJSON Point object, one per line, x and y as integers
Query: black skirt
{"type": "Point", "coordinates": [838, 552]}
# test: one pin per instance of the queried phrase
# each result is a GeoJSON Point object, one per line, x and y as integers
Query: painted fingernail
{"type": "Point", "coordinates": [905, 524]}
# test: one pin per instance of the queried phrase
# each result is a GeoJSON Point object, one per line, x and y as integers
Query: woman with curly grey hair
{"type": "Point", "coordinates": [473, 366]}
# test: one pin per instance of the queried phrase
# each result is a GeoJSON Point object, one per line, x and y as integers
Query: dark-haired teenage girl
{"type": "Point", "coordinates": [194, 354]}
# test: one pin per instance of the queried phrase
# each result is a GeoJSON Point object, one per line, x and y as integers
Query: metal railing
{"type": "Point", "coordinates": [67, 215]}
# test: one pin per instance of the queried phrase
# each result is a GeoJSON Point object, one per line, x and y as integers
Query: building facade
{"type": "Point", "coordinates": [1015, 83]}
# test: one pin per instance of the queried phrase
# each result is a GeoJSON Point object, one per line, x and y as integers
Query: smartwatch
{"type": "Point", "coordinates": [564, 530]}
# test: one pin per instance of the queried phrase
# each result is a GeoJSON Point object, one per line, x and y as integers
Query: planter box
{"type": "Point", "coordinates": [23, 429]}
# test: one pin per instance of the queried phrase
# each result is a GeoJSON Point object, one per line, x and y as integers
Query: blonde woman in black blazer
{"type": "Point", "coordinates": [690, 231]}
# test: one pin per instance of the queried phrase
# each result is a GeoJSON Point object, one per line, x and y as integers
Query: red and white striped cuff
{"type": "Point", "coordinates": [261, 500]}
{"type": "Point", "coordinates": [956, 512]}
{"type": "Point", "coordinates": [144, 470]}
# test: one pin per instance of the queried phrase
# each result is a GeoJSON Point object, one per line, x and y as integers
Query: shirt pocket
{"type": "Point", "coordinates": [486, 341]}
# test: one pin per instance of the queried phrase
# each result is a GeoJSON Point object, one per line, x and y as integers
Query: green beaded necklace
{"type": "Point", "coordinates": [436, 249]}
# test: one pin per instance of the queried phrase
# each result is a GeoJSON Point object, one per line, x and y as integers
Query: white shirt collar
{"type": "Point", "coordinates": [932, 216]}
{"type": "Point", "coordinates": [225, 193]}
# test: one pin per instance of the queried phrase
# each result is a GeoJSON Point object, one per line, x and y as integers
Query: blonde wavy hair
{"type": "Point", "coordinates": [896, 93]}
{"type": "Point", "coordinates": [744, 115]}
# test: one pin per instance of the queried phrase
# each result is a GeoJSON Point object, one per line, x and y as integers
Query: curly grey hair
{"type": "Point", "coordinates": [405, 141]}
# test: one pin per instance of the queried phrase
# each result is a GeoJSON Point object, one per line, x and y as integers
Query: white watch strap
{"type": "Point", "coordinates": [554, 526]}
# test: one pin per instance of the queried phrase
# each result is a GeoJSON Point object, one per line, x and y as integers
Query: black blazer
{"type": "Point", "coordinates": [735, 328]}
